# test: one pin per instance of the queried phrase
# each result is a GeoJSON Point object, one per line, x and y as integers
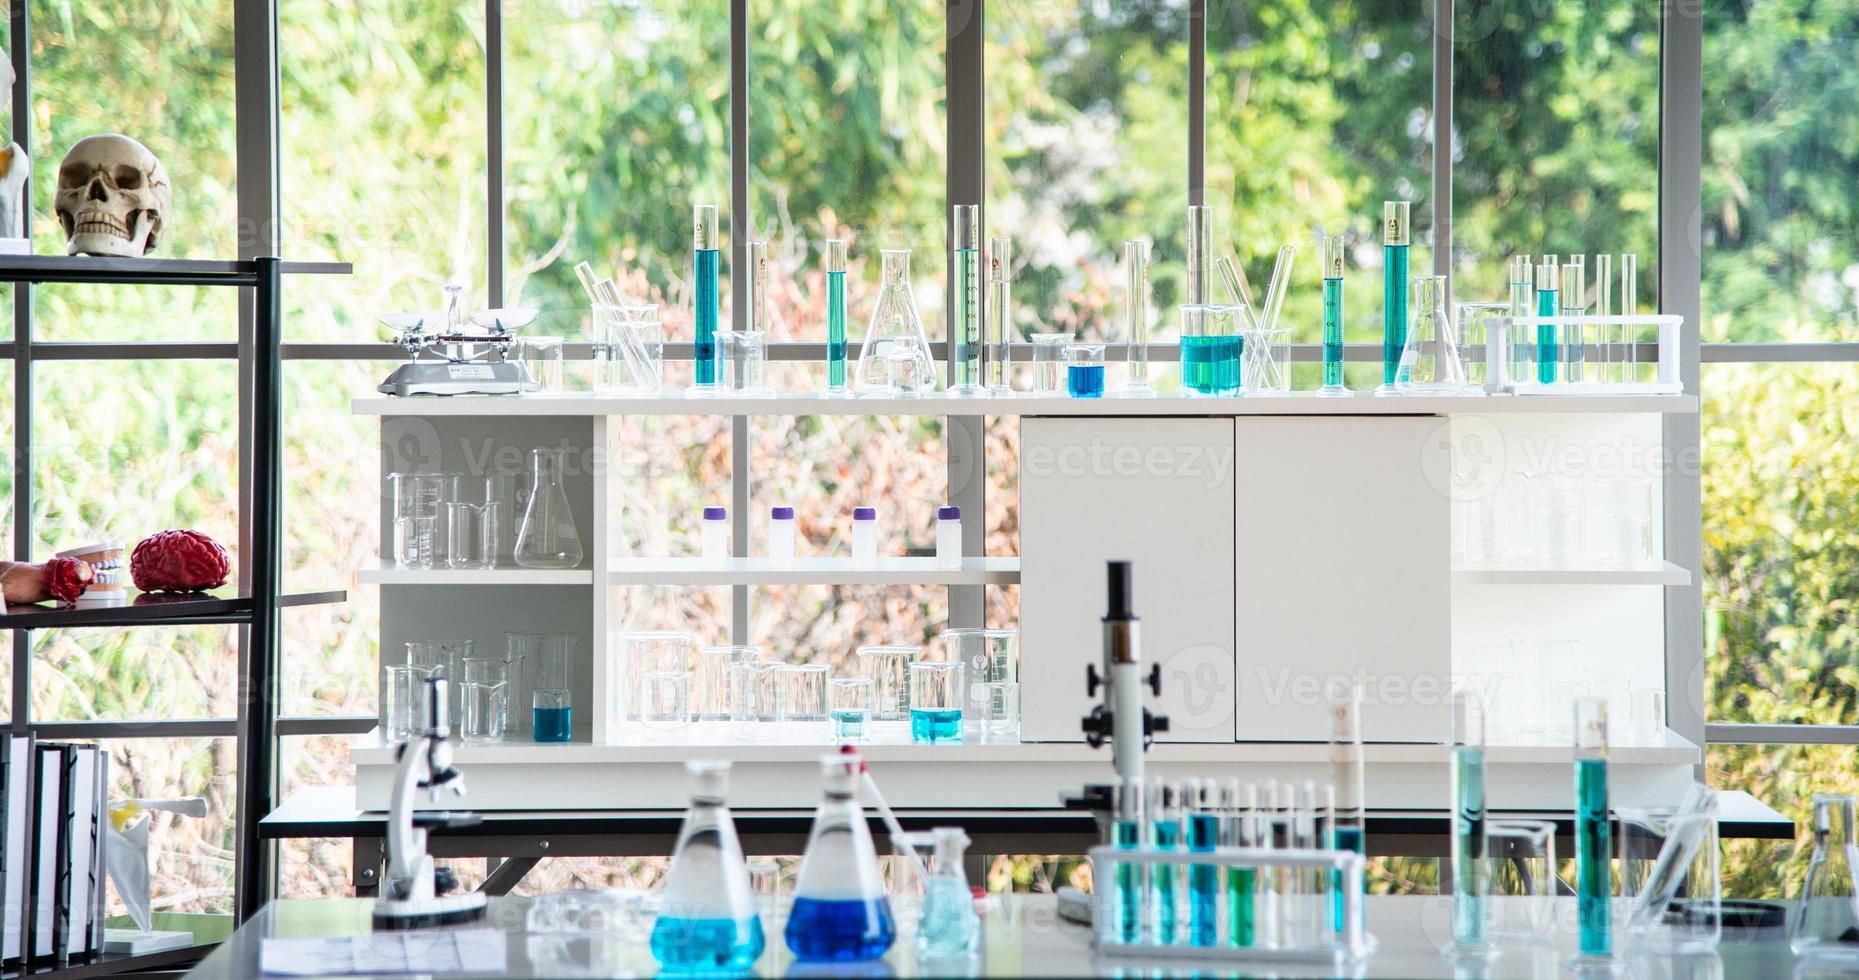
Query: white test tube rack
{"type": "Point", "coordinates": [1500, 365]}
{"type": "Point", "coordinates": [1351, 945]}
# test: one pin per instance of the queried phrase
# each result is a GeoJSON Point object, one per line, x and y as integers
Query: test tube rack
{"type": "Point", "coordinates": [1352, 944]}
{"type": "Point", "coordinates": [1505, 374]}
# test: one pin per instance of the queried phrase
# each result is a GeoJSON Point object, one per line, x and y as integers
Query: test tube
{"type": "Point", "coordinates": [1201, 802]}
{"type": "Point", "coordinates": [1548, 281]}
{"type": "Point", "coordinates": [1280, 285]}
{"type": "Point", "coordinates": [999, 314]}
{"type": "Point", "coordinates": [1333, 253]}
{"type": "Point", "coordinates": [1394, 245]}
{"type": "Point", "coordinates": [1235, 282]}
{"type": "Point", "coordinates": [836, 315]}
{"type": "Point", "coordinates": [1165, 835]}
{"type": "Point", "coordinates": [1126, 921]}
{"type": "Point", "coordinates": [965, 336]}
{"type": "Point", "coordinates": [1630, 306]}
{"type": "Point", "coordinates": [1241, 830]}
{"type": "Point", "coordinates": [1594, 882]}
{"type": "Point", "coordinates": [1285, 891]}
{"type": "Point", "coordinates": [1471, 873]}
{"type": "Point", "coordinates": [1346, 774]}
{"type": "Point", "coordinates": [1136, 317]}
{"type": "Point", "coordinates": [1522, 304]}
{"type": "Point", "coordinates": [1611, 349]}
{"type": "Point", "coordinates": [1265, 837]}
{"type": "Point", "coordinates": [1311, 916]}
{"type": "Point", "coordinates": [1574, 296]}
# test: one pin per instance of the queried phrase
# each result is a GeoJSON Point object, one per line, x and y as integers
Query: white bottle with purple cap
{"type": "Point", "coordinates": [865, 537]}
{"type": "Point", "coordinates": [716, 536]}
{"type": "Point", "coordinates": [949, 537]}
{"type": "Point", "coordinates": [781, 537]}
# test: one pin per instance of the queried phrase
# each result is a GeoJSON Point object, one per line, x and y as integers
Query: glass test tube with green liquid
{"type": "Point", "coordinates": [1471, 872]}
{"type": "Point", "coordinates": [965, 266]}
{"type": "Point", "coordinates": [1127, 834]}
{"type": "Point", "coordinates": [835, 315]}
{"type": "Point", "coordinates": [1548, 281]}
{"type": "Point", "coordinates": [1395, 232]}
{"type": "Point", "coordinates": [1332, 255]}
{"type": "Point", "coordinates": [1242, 829]}
{"type": "Point", "coordinates": [1203, 820]}
{"type": "Point", "coordinates": [1594, 878]}
{"type": "Point", "coordinates": [1347, 775]}
{"type": "Point", "coordinates": [704, 262]}
{"type": "Point", "coordinates": [1165, 829]}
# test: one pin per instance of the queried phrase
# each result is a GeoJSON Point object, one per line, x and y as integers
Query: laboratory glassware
{"type": "Point", "coordinates": [1346, 771]}
{"type": "Point", "coordinates": [419, 505]}
{"type": "Point", "coordinates": [1648, 714]}
{"type": "Point", "coordinates": [542, 356]}
{"type": "Point", "coordinates": [1201, 801]}
{"type": "Point", "coordinates": [1471, 872]}
{"type": "Point", "coordinates": [665, 700]}
{"type": "Point", "coordinates": [1211, 348]}
{"type": "Point", "coordinates": [999, 319]}
{"type": "Point", "coordinates": [1613, 350]}
{"type": "Point", "coordinates": [948, 925]}
{"type": "Point", "coordinates": [1574, 298]}
{"type": "Point", "coordinates": [938, 694]}
{"type": "Point", "coordinates": [865, 537]}
{"type": "Point", "coordinates": [781, 543]}
{"type": "Point", "coordinates": [1084, 370]}
{"type": "Point", "coordinates": [743, 367]}
{"type": "Point", "coordinates": [894, 359]}
{"type": "Point", "coordinates": [965, 269]}
{"type": "Point", "coordinates": [1475, 337]}
{"type": "Point", "coordinates": [835, 316]}
{"type": "Point", "coordinates": [639, 651]}
{"type": "Point", "coordinates": [1127, 832]}
{"type": "Point", "coordinates": [547, 537]}
{"type": "Point", "coordinates": [1136, 319]}
{"type": "Point", "coordinates": [1000, 712]}
{"type": "Point", "coordinates": [1594, 879]}
{"type": "Point", "coordinates": [1164, 810]}
{"type": "Point", "coordinates": [1265, 364]}
{"type": "Point", "coordinates": [631, 341]}
{"type": "Point", "coordinates": [400, 700]}
{"type": "Point", "coordinates": [803, 695]}
{"type": "Point", "coordinates": [1630, 306]}
{"type": "Point", "coordinates": [949, 537]}
{"type": "Point", "coordinates": [710, 687]}
{"type": "Point", "coordinates": [1679, 906]}
{"type": "Point", "coordinates": [1829, 907]}
{"type": "Point", "coordinates": [551, 701]}
{"type": "Point", "coordinates": [849, 702]}
{"type": "Point", "coordinates": [486, 696]}
{"type": "Point", "coordinates": [840, 912]}
{"type": "Point", "coordinates": [707, 919]}
{"type": "Point", "coordinates": [471, 534]}
{"type": "Point", "coordinates": [1049, 360]}
{"type": "Point", "coordinates": [1334, 254]}
{"type": "Point", "coordinates": [1548, 304]}
{"type": "Point", "coordinates": [1522, 856]}
{"type": "Point", "coordinates": [1394, 244]}
{"type": "Point", "coordinates": [1241, 829]}
{"type": "Point", "coordinates": [755, 698]}
{"type": "Point", "coordinates": [1431, 365]}
{"type": "Point", "coordinates": [992, 659]}
{"type": "Point", "coordinates": [705, 258]}
{"type": "Point", "coordinates": [1200, 255]}
{"type": "Point", "coordinates": [440, 659]}
{"type": "Point", "coordinates": [715, 537]}
{"type": "Point", "coordinates": [889, 670]}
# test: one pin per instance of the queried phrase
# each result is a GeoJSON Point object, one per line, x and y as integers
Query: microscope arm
{"type": "Point", "coordinates": [406, 843]}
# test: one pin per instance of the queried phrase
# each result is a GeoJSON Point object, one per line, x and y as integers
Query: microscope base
{"type": "Point", "coordinates": [422, 913]}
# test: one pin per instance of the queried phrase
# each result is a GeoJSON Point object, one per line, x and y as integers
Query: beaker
{"type": "Point", "coordinates": [707, 919]}
{"type": "Point", "coordinates": [1049, 361]}
{"type": "Point", "coordinates": [1210, 349]}
{"type": "Point", "coordinates": [1430, 361]}
{"type": "Point", "coordinates": [803, 697]}
{"type": "Point", "coordinates": [948, 925]}
{"type": "Point", "coordinates": [665, 700]}
{"type": "Point", "coordinates": [889, 670]}
{"type": "Point", "coordinates": [848, 701]}
{"type": "Point", "coordinates": [1829, 908]}
{"type": "Point", "coordinates": [1679, 906]}
{"type": "Point", "coordinates": [1523, 880]}
{"type": "Point", "coordinates": [938, 693]}
{"type": "Point", "coordinates": [438, 659]}
{"type": "Point", "coordinates": [840, 912]}
{"type": "Point", "coordinates": [552, 704]}
{"type": "Point", "coordinates": [543, 357]}
{"type": "Point", "coordinates": [755, 698]}
{"type": "Point", "coordinates": [1476, 337]}
{"type": "Point", "coordinates": [419, 505]}
{"type": "Point", "coordinates": [895, 323]}
{"type": "Point", "coordinates": [992, 658]}
{"type": "Point", "coordinates": [630, 342]}
{"type": "Point", "coordinates": [642, 651]}
{"type": "Point", "coordinates": [471, 534]}
{"type": "Point", "coordinates": [399, 702]}
{"type": "Point", "coordinates": [711, 693]}
{"type": "Point", "coordinates": [547, 537]}
{"type": "Point", "coordinates": [1084, 370]}
{"type": "Point", "coordinates": [742, 362]}
{"type": "Point", "coordinates": [485, 694]}
{"type": "Point", "coordinates": [1265, 368]}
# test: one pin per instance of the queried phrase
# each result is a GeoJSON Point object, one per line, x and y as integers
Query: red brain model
{"type": "Point", "coordinates": [178, 561]}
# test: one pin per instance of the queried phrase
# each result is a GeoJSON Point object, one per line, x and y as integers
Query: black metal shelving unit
{"type": "Point", "coordinates": [256, 608]}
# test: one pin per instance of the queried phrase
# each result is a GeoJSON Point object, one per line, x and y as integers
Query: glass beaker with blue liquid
{"type": "Point", "coordinates": [1084, 370]}
{"type": "Point", "coordinates": [938, 689]}
{"type": "Point", "coordinates": [707, 920]}
{"type": "Point", "coordinates": [840, 913]}
{"type": "Point", "coordinates": [1211, 346]}
{"type": "Point", "coordinates": [849, 705]}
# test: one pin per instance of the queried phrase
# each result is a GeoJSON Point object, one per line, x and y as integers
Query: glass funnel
{"type": "Point", "coordinates": [547, 537]}
{"type": "Point", "coordinates": [1430, 361]}
{"type": "Point", "coordinates": [706, 915]}
{"type": "Point", "coordinates": [840, 912]}
{"type": "Point", "coordinates": [895, 360]}
{"type": "Point", "coordinates": [1829, 912]}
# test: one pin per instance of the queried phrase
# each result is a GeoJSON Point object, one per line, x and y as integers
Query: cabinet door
{"type": "Point", "coordinates": [1342, 538]}
{"type": "Point", "coordinates": [1158, 493]}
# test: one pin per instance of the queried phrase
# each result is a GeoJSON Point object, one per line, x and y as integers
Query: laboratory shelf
{"type": "Point", "coordinates": [811, 571]}
{"type": "Point", "coordinates": [1653, 573]}
{"type": "Point", "coordinates": [385, 572]}
{"type": "Point", "coordinates": [588, 403]}
{"type": "Point", "coordinates": [154, 609]}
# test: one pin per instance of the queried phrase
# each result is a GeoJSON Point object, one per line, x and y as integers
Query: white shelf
{"type": "Point", "coordinates": [812, 571]}
{"type": "Point", "coordinates": [385, 572]}
{"type": "Point", "coordinates": [587, 403]}
{"type": "Point", "coordinates": [1656, 573]}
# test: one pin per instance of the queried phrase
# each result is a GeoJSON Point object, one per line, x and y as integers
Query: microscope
{"type": "Point", "coordinates": [410, 897]}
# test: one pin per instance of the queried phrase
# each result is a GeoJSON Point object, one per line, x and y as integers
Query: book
{"type": "Point", "coordinates": [47, 850]}
{"type": "Point", "coordinates": [16, 803]}
{"type": "Point", "coordinates": [99, 879]}
{"type": "Point", "coordinates": [75, 884]}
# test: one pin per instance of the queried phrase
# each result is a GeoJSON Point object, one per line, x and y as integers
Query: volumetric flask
{"type": "Point", "coordinates": [894, 358]}
{"type": "Point", "coordinates": [547, 537]}
{"type": "Point", "coordinates": [646, 651]}
{"type": "Point", "coordinates": [710, 693]}
{"type": "Point", "coordinates": [889, 670]}
{"type": "Point", "coordinates": [707, 921]}
{"type": "Point", "coordinates": [419, 506]}
{"type": "Point", "coordinates": [1211, 348]}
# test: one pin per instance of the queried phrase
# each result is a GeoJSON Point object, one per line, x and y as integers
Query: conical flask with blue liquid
{"type": "Point", "coordinates": [706, 916]}
{"type": "Point", "coordinates": [840, 913]}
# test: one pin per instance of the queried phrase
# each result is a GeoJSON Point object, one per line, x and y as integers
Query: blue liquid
{"type": "Point", "coordinates": [1203, 882]}
{"type": "Point", "coordinates": [1210, 365]}
{"type": "Point", "coordinates": [1594, 881]}
{"type": "Point", "coordinates": [1470, 884]}
{"type": "Point", "coordinates": [1332, 332]}
{"type": "Point", "coordinates": [707, 945]}
{"type": "Point", "coordinates": [703, 349]}
{"type": "Point", "coordinates": [1129, 883]}
{"type": "Point", "coordinates": [1347, 839]}
{"type": "Point", "coordinates": [840, 930]}
{"type": "Point", "coordinates": [1085, 381]}
{"type": "Point", "coordinates": [1546, 337]}
{"type": "Point", "coordinates": [849, 723]}
{"type": "Point", "coordinates": [1162, 885]}
{"type": "Point", "coordinates": [1393, 310]}
{"type": "Point", "coordinates": [552, 724]}
{"type": "Point", "coordinates": [836, 329]}
{"type": "Point", "coordinates": [936, 724]}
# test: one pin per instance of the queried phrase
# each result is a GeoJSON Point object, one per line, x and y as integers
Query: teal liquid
{"type": "Point", "coordinates": [1127, 902]}
{"type": "Point", "coordinates": [703, 347]}
{"type": "Point", "coordinates": [1594, 884]}
{"type": "Point", "coordinates": [836, 329]}
{"type": "Point", "coordinates": [1471, 885]}
{"type": "Point", "coordinates": [1546, 337]}
{"type": "Point", "coordinates": [1085, 381]}
{"type": "Point", "coordinates": [936, 724]}
{"type": "Point", "coordinates": [849, 723]}
{"type": "Point", "coordinates": [948, 925]}
{"type": "Point", "coordinates": [967, 362]}
{"type": "Point", "coordinates": [1203, 882]}
{"type": "Point", "coordinates": [1393, 310]}
{"type": "Point", "coordinates": [707, 945]}
{"type": "Point", "coordinates": [1210, 365]}
{"type": "Point", "coordinates": [1241, 884]}
{"type": "Point", "coordinates": [1162, 885]}
{"type": "Point", "coordinates": [1347, 839]}
{"type": "Point", "coordinates": [1333, 333]}
{"type": "Point", "coordinates": [552, 724]}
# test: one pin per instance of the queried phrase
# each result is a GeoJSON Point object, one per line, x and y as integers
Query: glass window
{"type": "Point", "coordinates": [1785, 777]}
{"type": "Point", "coordinates": [190, 861]}
{"type": "Point", "coordinates": [150, 673]}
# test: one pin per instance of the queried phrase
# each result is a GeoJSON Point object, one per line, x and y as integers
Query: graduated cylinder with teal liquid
{"type": "Point", "coordinates": [1332, 255]}
{"type": "Point", "coordinates": [704, 270]}
{"type": "Point", "coordinates": [836, 316]}
{"type": "Point", "coordinates": [1395, 233]}
{"type": "Point", "coordinates": [1211, 349]}
{"type": "Point", "coordinates": [1471, 871]}
{"type": "Point", "coordinates": [1594, 878]}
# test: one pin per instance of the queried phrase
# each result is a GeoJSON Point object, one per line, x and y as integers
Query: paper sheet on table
{"type": "Point", "coordinates": [428, 952]}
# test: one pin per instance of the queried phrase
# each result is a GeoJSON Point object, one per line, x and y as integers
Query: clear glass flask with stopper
{"type": "Point", "coordinates": [840, 913]}
{"type": "Point", "coordinates": [547, 537]}
{"type": "Point", "coordinates": [707, 918]}
{"type": "Point", "coordinates": [948, 925]}
{"type": "Point", "coordinates": [1827, 921]}
{"type": "Point", "coordinates": [895, 359]}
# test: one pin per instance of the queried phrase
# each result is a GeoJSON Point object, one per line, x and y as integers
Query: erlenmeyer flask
{"type": "Point", "coordinates": [706, 914]}
{"type": "Point", "coordinates": [948, 925]}
{"type": "Point", "coordinates": [840, 912]}
{"type": "Point", "coordinates": [894, 359]}
{"type": "Point", "coordinates": [1430, 363]}
{"type": "Point", "coordinates": [1828, 915]}
{"type": "Point", "coordinates": [547, 537]}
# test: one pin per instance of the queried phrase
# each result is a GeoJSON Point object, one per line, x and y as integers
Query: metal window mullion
{"type": "Point", "coordinates": [1443, 108]}
{"type": "Point", "coordinates": [740, 228]}
{"type": "Point", "coordinates": [1197, 102]}
{"type": "Point", "coordinates": [965, 176]}
{"type": "Point", "coordinates": [494, 149]}
{"type": "Point", "coordinates": [20, 52]}
{"type": "Point", "coordinates": [1743, 734]}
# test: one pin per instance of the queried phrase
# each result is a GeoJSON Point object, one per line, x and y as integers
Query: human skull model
{"type": "Point", "coordinates": [112, 197]}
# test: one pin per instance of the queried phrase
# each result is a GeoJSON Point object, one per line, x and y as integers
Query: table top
{"type": "Point", "coordinates": [1022, 936]}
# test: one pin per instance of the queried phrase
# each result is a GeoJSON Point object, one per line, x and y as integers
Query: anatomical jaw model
{"type": "Point", "coordinates": [113, 195]}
